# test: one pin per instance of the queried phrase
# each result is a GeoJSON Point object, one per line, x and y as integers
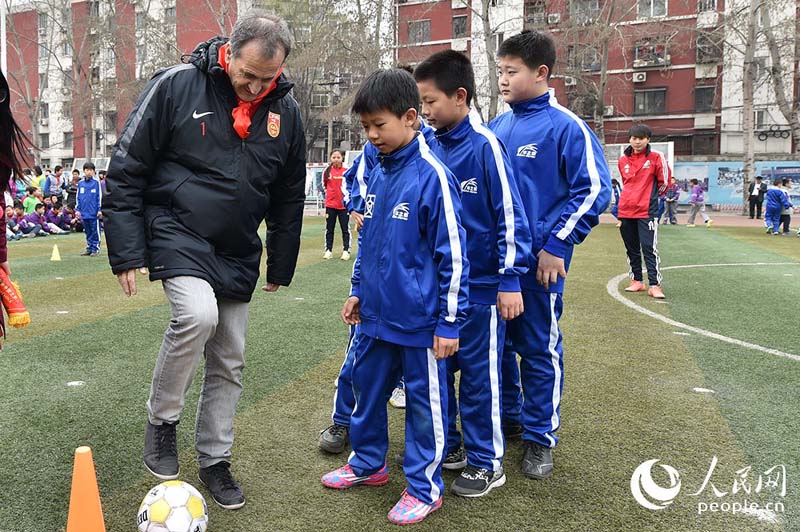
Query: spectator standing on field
{"type": "Point", "coordinates": [756, 198]}
{"type": "Point", "coordinates": [334, 183]}
{"type": "Point", "coordinates": [697, 203]}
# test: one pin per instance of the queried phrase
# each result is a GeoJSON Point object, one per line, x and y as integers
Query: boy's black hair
{"type": "Point", "coordinates": [76, 170]}
{"type": "Point", "coordinates": [787, 181]}
{"type": "Point", "coordinates": [535, 48]}
{"type": "Point", "coordinates": [777, 182]}
{"type": "Point", "coordinates": [18, 205]}
{"type": "Point", "coordinates": [405, 66]}
{"type": "Point", "coordinates": [694, 181]}
{"type": "Point", "coordinates": [614, 180]}
{"type": "Point", "coordinates": [58, 167]}
{"type": "Point", "coordinates": [57, 205]}
{"type": "Point", "coordinates": [392, 90]}
{"type": "Point", "coordinates": [38, 206]}
{"type": "Point", "coordinates": [37, 169]}
{"type": "Point", "coordinates": [449, 70]}
{"type": "Point", "coordinates": [640, 131]}
{"type": "Point", "coordinates": [30, 190]}
{"type": "Point", "coordinates": [88, 165]}
{"type": "Point", "coordinates": [759, 177]}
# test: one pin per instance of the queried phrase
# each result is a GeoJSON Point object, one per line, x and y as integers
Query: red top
{"type": "Point", "coordinates": [333, 182]}
{"type": "Point", "coordinates": [643, 176]}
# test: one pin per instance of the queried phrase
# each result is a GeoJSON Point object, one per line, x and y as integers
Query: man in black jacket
{"type": "Point", "coordinates": [211, 149]}
{"type": "Point", "coordinates": [757, 191]}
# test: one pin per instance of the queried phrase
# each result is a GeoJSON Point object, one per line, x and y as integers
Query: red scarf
{"type": "Point", "coordinates": [243, 113]}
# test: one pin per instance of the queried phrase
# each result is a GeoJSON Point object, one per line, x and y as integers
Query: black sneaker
{"type": "Point", "coordinates": [224, 490]}
{"type": "Point", "coordinates": [455, 460]}
{"type": "Point", "coordinates": [476, 481]}
{"type": "Point", "coordinates": [334, 439]}
{"type": "Point", "coordinates": [161, 450]}
{"type": "Point", "coordinates": [537, 462]}
{"type": "Point", "coordinates": [511, 430]}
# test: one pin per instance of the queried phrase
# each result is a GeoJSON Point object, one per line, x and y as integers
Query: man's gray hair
{"type": "Point", "coordinates": [269, 30]}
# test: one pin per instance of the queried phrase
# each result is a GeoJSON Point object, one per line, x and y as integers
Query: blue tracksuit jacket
{"type": "Point", "coordinates": [411, 270]}
{"type": "Point", "coordinates": [498, 236]}
{"type": "Point", "coordinates": [89, 198]}
{"type": "Point", "coordinates": [777, 199]}
{"type": "Point", "coordinates": [562, 175]}
{"type": "Point", "coordinates": [357, 176]}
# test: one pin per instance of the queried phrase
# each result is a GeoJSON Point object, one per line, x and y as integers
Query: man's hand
{"type": "Point", "coordinates": [358, 218]}
{"type": "Point", "coordinates": [550, 268]}
{"type": "Point", "coordinates": [351, 311]}
{"type": "Point", "coordinates": [100, 215]}
{"type": "Point", "coordinates": [127, 280]}
{"type": "Point", "coordinates": [270, 287]}
{"type": "Point", "coordinates": [444, 347]}
{"type": "Point", "coordinates": [510, 304]}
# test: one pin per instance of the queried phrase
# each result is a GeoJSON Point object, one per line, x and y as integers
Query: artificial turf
{"type": "Point", "coordinates": [628, 397]}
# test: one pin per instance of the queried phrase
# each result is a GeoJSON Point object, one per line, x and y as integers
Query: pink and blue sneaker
{"type": "Point", "coordinates": [344, 478]}
{"type": "Point", "coordinates": [410, 510]}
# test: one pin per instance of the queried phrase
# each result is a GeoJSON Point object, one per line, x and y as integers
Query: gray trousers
{"type": "Point", "coordinates": [694, 210]}
{"type": "Point", "coordinates": [201, 325]}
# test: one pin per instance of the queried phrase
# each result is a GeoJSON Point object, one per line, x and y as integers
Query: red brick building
{"type": "Point", "coordinates": [424, 28]}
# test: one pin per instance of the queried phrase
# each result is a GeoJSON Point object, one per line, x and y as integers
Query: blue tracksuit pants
{"type": "Point", "coordinates": [479, 391]}
{"type": "Point", "coordinates": [772, 218]}
{"type": "Point", "coordinates": [512, 389]}
{"type": "Point", "coordinates": [377, 365]}
{"type": "Point", "coordinates": [343, 398]}
{"type": "Point", "coordinates": [91, 226]}
{"type": "Point", "coordinates": [538, 341]}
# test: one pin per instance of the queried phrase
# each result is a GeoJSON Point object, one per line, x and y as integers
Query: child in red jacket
{"type": "Point", "coordinates": [332, 180]}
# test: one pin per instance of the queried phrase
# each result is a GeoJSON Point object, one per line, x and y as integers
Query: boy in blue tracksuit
{"type": "Point", "coordinates": [777, 200]}
{"type": "Point", "coordinates": [90, 200]}
{"type": "Point", "coordinates": [409, 295]}
{"type": "Point", "coordinates": [499, 248]}
{"type": "Point", "coordinates": [565, 184]}
{"type": "Point", "coordinates": [334, 439]}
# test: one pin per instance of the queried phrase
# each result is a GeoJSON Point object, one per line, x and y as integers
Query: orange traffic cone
{"type": "Point", "coordinates": [85, 513]}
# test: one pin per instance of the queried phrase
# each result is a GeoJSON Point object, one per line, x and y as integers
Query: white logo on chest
{"type": "Point", "coordinates": [529, 151]}
{"type": "Point", "coordinates": [400, 211]}
{"type": "Point", "coordinates": [470, 186]}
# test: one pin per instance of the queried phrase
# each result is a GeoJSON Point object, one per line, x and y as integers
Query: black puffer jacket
{"type": "Point", "coordinates": [186, 194]}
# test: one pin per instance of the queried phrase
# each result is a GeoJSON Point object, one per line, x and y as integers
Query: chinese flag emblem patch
{"type": "Point", "coordinates": [273, 124]}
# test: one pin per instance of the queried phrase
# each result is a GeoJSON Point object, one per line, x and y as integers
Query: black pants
{"type": "Point", "coordinates": [331, 216]}
{"type": "Point", "coordinates": [755, 207]}
{"type": "Point", "coordinates": [640, 236]}
{"type": "Point", "coordinates": [786, 220]}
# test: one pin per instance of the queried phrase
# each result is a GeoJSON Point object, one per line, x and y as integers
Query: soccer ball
{"type": "Point", "coordinates": [173, 506]}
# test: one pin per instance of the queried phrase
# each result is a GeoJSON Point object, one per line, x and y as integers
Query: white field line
{"type": "Point", "coordinates": [613, 290]}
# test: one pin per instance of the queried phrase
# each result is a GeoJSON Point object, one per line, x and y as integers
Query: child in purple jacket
{"type": "Point", "coordinates": [55, 217]}
{"type": "Point", "coordinates": [698, 205]}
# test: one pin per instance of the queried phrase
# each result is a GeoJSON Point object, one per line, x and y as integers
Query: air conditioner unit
{"type": "Point", "coordinates": [65, 91]}
{"type": "Point", "coordinates": [44, 122]}
{"type": "Point", "coordinates": [569, 81]}
{"type": "Point", "coordinates": [639, 77]}
{"type": "Point", "coordinates": [608, 110]}
{"type": "Point", "coordinates": [43, 30]}
{"type": "Point", "coordinates": [459, 45]}
{"type": "Point", "coordinates": [554, 18]}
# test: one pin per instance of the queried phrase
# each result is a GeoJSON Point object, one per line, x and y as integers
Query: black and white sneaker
{"type": "Point", "coordinates": [334, 439]}
{"type": "Point", "coordinates": [477, 482]}
{"type": "Point", "coordinates": [224, 490]}
{"type": "Point", "coordinates": [455, 460]}
{"type": "Point", "coordinates": [537, 462]}
{"type": "Point", "coordinates": [161, 450]}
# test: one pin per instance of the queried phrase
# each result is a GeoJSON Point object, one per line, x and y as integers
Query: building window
{"type": "Point", "coordinates": [169, 14]}
{"type": "Point", "coordinates": [650, 52]}
{"type": "Point", "coordinates": [67, 83]}
{"type": "Point", "coordinates": [706, 5]}
{"type": "Point", "coordinates": [42, 81]}
{"type": "Point", "coordinates": [44, 111]}
{"type": "Point", "coordinates": [68, 140]}
{"type": "Point", "coordinates": [95, 75]}
{"type": "Point", "coordinates": [586, 59]}
{"type": "Point", "coordinates": [704, 144]}
{"type": "Point", "coordinates": [42, 51]}
{"type": "Point", "coordinates": [761, 68]}
{"type": "Point", "coordinates": [42, 23]}
{"type": "Point", "coordinates": [66, 111]}
{"type": "Point", "coordinates": [652, 8]}
{"type": "Point", "coordinates": [760, 118]}
{"type": "Point", "coordinates": [535, 13]}
{"type": "Point", "coordinates": [459, 27]}
{"type": "Point", "coordinates": [94, 9]}
{"type": "Point", "coordinates": [141, 20]}
{"type": "Point", "coordinates": [704, 99]}
{"type": "Point", "coordinates": [584, 11]}
{"type": "Point", "coordinates": [110, 121]}
{"type": "Point", "coordinates": [44, 141]}
{"type": "Point", "coordinates": [649, 102]}
{"type": "Point", "coordinates": [419, 31]}
{"type": "Point", "coordinates": [319, 100]}
{"type": "Point", "coordinates": [67, 49]}
{"type": "Point", "coordinates": [708, 49]}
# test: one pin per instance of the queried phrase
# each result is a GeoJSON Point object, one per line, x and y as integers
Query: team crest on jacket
{"type": "Point", "coordinates": [470, 186]}
{"type": "Point", "coordinates": [646, 164]}
{"type": "Point", "coordinates": [528, 150]}
{"type": "Point", "coordinates": [400, 211]}
{"type": "Point", "coordinates": [369, 204]}
{"type": "Point", "coordinates": [273, 124]}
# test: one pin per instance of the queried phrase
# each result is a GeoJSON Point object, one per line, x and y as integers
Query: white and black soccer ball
{"type": "Point", "coordinates": [173, 506]}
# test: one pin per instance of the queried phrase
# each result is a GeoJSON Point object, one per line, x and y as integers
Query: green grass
{"type": "Point", "coordinates": [628, 394]}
